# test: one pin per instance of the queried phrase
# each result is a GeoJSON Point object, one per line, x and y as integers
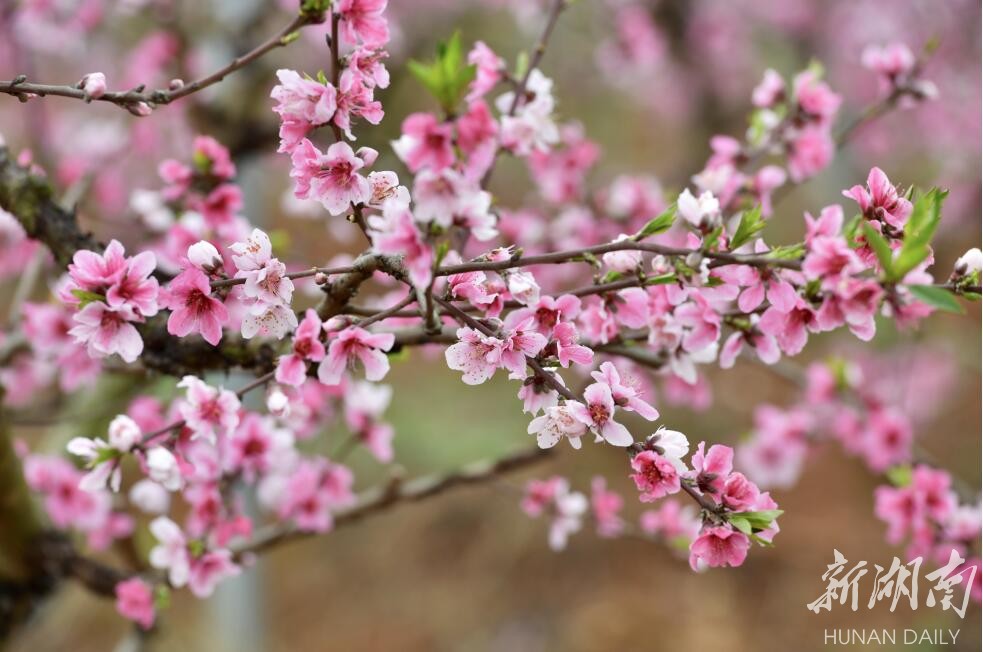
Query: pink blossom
{"type": "Point", "coordinates": [555, 424]}
{"type": "Point", "coordinates": [549, 311]}
{"type": "Point", "coordinates": [568, 348]}
{"type": "Point", "coordinates": [766, 180]}
{"type": "Point", "coordinates": [671, 521]}
{"type": "Point", "coordinates": [475, 354]}
{"type": "Point", "coordinates": [362, 20]}
{"type": "Point", "coordinates": [790, 328]}
{"type": "Point", "coordinates": [353, 344]}
{"type": "Point", "coordinates": [702, 212]}
{"type": "Point", "coordinates": [654, 475]}
{"type": "Point", "coordinates": [310, 494]}
{"type": "Point", "coordinates": [815, 97]}
{"type": "Point", "coordinates": [253, 253]}
{"type": "Point", "coordinates": [135, 601]}
{"type": "Point", "coordinates": [108, 331]}
{"type": "Point", "coordinates": [719, 546]}
{"type": "Point", "coordinates": [395, 232]}
{"type": "Point", "coordinates": [830, 258]}
{"type": "Point", "coordinates": [171, 552]}
{"type": "Point", "coordinates": [355, 99]}
{"type": "Point", "coordinates": [291, 368]}
{"type": "Point", "coordinates": [488, 70]}
{"type": "Point", "coordinates": [208, 569]}
{"type": "Point", "coordinates": [890, 61]}
{"type": "Point", "coordinates": [739, 494]}
{"type": "Point", "coordinates": [625, 392]}
{"type": "Point", "coordinates": [711, 468]}
{"type": "Point", "coordinates": [810, 151]}
{"type": "Point", "coordinates": [211, 157]}
{"type": "Point", "coordinates": [208, 411]}
{"type": "Point", "coordinates": [520, 342]}
{"type": "Point", "coordinates": [193, 309]}
{"type": "Point", "coordinates": [887, 440]}
{"type": "Point", "coordinates": [269, 284]}
{"type": "Point", "coordinates": [598, 414]}
{"type": "Point", "coordinates": [256, 446]}
{"type": "Point", "coordinates": [425, 143]}
{"type": "Point", "coordinates": [332, 177]}
{"type": "Point", "coordinates": [880, 200]}
{"type": "Point", "coordinates": [368, 62]}
{"type": "Point", "coordinates": [770, 91]}
{"type": "Point", "coordinates": [605, 506]}
{"type": "Point", "coordinates": [268, 320]}
{"type": "Point", "coordinates": [302, 105]}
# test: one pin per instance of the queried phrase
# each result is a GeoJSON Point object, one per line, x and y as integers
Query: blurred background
{"type": "Point", "coordinates": [468, 570]}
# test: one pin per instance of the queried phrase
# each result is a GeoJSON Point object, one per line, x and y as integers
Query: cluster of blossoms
{"type": "Point", "coordinates": [873, 417]}
{"type": "Point", "coordinates": [666, 286]}
{"type": "Point", "coordinates": [111, 292]}
{"type": "Point", "coordinates": [734, 511]}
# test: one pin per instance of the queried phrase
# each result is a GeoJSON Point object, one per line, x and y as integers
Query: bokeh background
{"type": "Point", "coordinates": [468, 571]}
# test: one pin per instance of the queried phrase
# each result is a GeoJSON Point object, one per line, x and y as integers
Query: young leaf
{"type": "Point", "coordinates": [900, 476]}
{"type": "Point", "coordinates": [918, 232]}
{"type": "Point", "coordinates": [880, 246]}
{"type": "Point", "coordinates": [658, 224]}
{"type": "Point", "coordinates": [750, 225]}
{"type": "Point", "coordinates": [740, 524]}
{"type": "Point", "coordinates": [936, 297]}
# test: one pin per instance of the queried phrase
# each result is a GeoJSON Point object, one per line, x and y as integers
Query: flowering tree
{"type": "Point", "coordinates": [580, 300]}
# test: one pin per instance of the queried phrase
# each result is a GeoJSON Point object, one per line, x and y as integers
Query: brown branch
{"type": "Point", "coordinates": [621, 245]}
{"type": "Point", "coordinates": [23, 89]}
{"type": "Point", "coordinates": [383, 498]}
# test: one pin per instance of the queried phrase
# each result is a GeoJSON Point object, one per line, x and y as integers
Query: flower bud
{"type": "Point", "coordinates": [277, 403]}
{"type": "Point", "coordinates": [124, 433]}
{"type": "Point", "coordinates": [175, 84]}
{"type": "Point", "coordinates": [150, 497]}
{"type": "Point", "coordinates": [139, 109]}
{"type": "Point", "coordinates": [205, 256]}
{"type": "Point", "coordinates": [320, 278]}
{"type": "Point", "coordinates": [162, 467]}
{"type": "Point", "coordinates": [93, 85]}
{"type": "Point", "coordinates": [969, 262]}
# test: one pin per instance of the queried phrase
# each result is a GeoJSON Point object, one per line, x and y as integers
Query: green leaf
{"type": "Point", "coordinates": [900, 476]}
{"type": "Point", "coordinates": [659, 224]}
{"type": "Point", "coordinates": [661, 279]}
{"type": "Point", "coordinates": [521, 64]}
{"type": "Point", "coordinates": [740, 524]}
{"type": "Point", "coordinates": [918, 232]}
{"type": "Point", "coordinates": [880, 246]}
{"type": "Point", "coordinates": [850, 230]}
{"type": "Point", "coordinates": [85, 297]}
{"type": "Point", "coordinates": [788, 252]}
{"type": "Point", "coordinates": [758, 521]}
{"type": "Point", "coordinates": [162, 597]}
{"type": "Point", "coordinates": [750, 225]}
{"type": "Point", "coordinates": [447, 77]}
{"type": "Point", "coordinates": [611, 276]}
{"type": "Point", "coordinates": [936, 297]}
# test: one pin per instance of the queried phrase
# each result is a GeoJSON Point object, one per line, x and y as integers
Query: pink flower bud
{"type": "Point", "coordinates": [139, 109]}
{"type": "Point", "coordinates": [277, 403]}
{"type": "Point", "coordinates": [93, 85]}
{"type": "Point", "coordinates": [175, 84]}
{"type": "Point", "coordinates": [969, 262]}
{"type": "Point", "coordinates": [204, 256]}
{"type": "Point", "coordinates": [320, 278]}
{"type": "Point", "coordinates": [124, 433]}
{"type": "Point", "coordinates": [162, 467]}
